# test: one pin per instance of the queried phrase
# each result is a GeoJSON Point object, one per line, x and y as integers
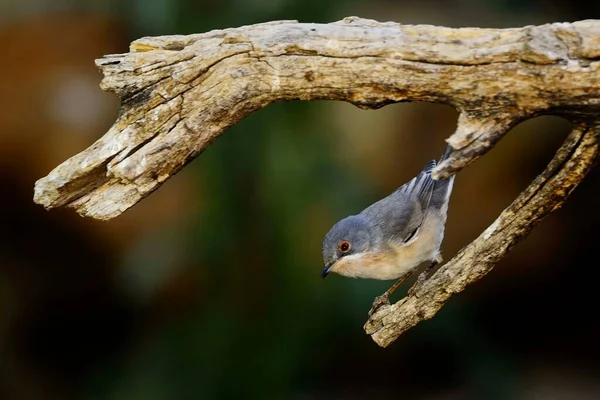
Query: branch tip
{"type": "Point", "coordinates": [474, 136]}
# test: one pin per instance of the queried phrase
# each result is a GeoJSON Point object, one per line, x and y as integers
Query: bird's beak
{"type": "Point", "coordinates": [326, 270]}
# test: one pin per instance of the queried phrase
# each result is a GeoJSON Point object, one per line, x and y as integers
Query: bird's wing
{"type": "Point", "coordinates": [400, 215]}
{"type": "Point", "coordinates": [419, 187]}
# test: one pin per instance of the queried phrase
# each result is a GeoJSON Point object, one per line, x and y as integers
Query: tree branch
{"type": "Point", "coordinates": [545, 194]}
{"type": "Point", "coordinates": [179, 93]}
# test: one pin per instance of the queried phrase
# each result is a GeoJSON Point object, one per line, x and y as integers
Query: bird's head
{"type": "Point", "coordinates": [346, 242]}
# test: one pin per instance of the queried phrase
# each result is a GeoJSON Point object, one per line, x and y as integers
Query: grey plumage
{"type": "Point", "coordinates": [356, 229]}
{"type": "Point", "coordinates": [385, 238]}
{"type": "Point", "coordinates": [421, 193]}
{"type": "Point", "coordinates": [402, 223]}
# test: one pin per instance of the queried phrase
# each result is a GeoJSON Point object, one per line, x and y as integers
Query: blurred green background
{"type": "Point", "coordinates": [210, 288]}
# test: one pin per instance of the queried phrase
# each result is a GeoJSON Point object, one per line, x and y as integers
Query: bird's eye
{"type": "Point", "coordinates": [344, 246]}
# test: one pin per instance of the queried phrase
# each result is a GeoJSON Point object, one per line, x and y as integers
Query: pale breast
{"type": "Point", "coordinates": [408, 257]}
{"type": "Point", "coordinates": [425, 247]}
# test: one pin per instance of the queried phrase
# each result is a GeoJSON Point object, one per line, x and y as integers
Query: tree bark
{"type": "Point", "coordinates": [179, 93]}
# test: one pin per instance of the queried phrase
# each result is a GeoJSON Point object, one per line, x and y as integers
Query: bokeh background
{"type": "Point", "coordinates": [210, 288]}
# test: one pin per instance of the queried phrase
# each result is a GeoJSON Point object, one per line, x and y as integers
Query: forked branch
{"type": "Point", "coordinates": [179, 93]}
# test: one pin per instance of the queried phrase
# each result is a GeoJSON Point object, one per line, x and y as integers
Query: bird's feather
{"type": "Point", "coordinates": [400, 215]}
{"type": "Point", "coordinates": [442, 188]}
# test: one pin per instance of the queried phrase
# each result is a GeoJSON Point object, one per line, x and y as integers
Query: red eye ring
{"type": "Point", "coordinates": [344, 246]}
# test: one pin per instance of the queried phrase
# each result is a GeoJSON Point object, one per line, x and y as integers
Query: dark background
{"type": "Point", "coordinates": [210, 288]}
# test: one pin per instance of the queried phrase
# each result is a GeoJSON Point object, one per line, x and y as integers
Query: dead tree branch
{"type": "Point", "coordinates": [545, 194]}
{"type": "Point", "coordinates": [179, 93]}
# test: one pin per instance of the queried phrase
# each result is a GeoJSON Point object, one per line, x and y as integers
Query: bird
{"type": "Point", "coordinates": [395, 235]}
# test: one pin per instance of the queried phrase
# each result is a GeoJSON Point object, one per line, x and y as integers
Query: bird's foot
{"type": "Point", "coordinates": [380, 301]}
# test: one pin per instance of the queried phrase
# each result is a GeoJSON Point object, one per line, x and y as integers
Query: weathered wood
{"type": "Point", "coordinates": [179, 93]}
{"type": "Point", "coordinates": [545, 194]}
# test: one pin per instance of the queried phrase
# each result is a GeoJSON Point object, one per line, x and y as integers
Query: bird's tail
{"type": "Point", "coordinates": [442, 188]}
{"type": "Point", "coordinates": [446, 154]}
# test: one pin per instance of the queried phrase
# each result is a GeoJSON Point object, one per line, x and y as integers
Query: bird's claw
{"type": "Point", "coordinates": [380, 301]}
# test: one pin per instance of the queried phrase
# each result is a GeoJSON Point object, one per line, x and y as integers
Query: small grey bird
{"type": "Point", "coordinates": [392, 237]}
